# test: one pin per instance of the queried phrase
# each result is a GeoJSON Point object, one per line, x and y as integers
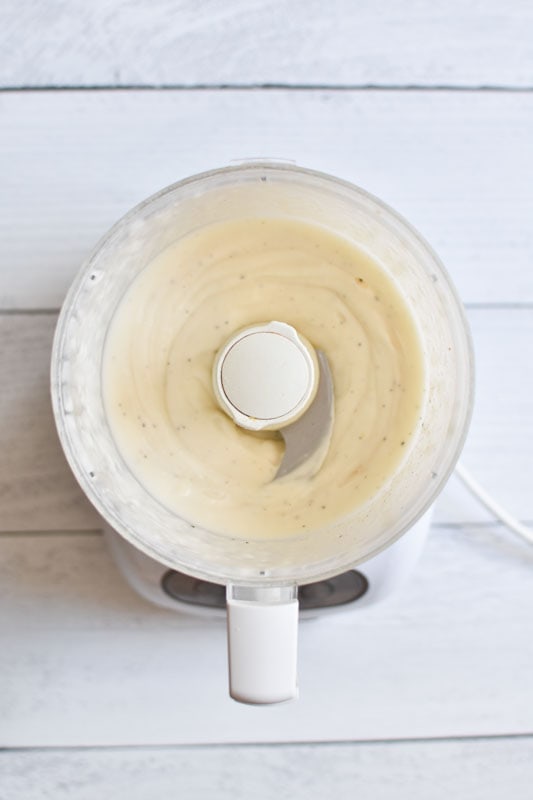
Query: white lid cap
{"type": "Point", "coordinates": [266, 376]}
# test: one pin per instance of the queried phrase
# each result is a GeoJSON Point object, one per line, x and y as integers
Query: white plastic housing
{"type": "Point", "coordinates": [262, 623]}
{"type": "Point", "coordinates": [386, 574]}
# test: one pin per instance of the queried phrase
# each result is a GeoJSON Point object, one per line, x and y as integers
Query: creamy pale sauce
{"type": "Point", "coordinates": [157, 375]}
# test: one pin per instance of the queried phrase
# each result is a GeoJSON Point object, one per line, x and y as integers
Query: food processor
{"type": "Point", "coordinates": [260, 583]}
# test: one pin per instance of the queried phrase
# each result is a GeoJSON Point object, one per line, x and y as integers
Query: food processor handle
{"type": "Point", "coordinates": [262, 643]}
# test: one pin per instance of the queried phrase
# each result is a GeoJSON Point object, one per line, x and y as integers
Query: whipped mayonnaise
{"type": "Point", "coordinates": [184, 306]}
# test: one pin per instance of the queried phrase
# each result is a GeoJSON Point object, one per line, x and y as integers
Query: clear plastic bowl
{"type": "Point", "coordinates": [252, 190]}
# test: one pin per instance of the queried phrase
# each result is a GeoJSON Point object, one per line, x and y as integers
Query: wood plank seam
{"type": "Point", "coordinates": [489, 737]}
{"type": "Point", "coordinates": [260, 87]}
{"type": "Point", "coordinates": [479, 525]}
{"type": "Point", "coordinates": [469, 306]}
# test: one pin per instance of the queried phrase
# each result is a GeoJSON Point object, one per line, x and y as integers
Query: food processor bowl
{"type": "Point", "coordinates": [260, 572]}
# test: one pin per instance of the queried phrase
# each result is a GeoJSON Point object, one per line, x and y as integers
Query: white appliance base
{"type": "Point", "coordinates": [366, 585]}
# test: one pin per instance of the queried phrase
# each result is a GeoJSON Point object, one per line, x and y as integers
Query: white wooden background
{"type": "Point", "coordinates": [428, 105]}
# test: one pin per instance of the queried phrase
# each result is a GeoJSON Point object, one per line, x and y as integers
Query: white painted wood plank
{"type": "Point", "coordinates": [474, 769]}
{"type": "Point", "coordinates": [37, 488]}
{"type": "Point", "coordinates": [85, 662]}
{"type": "Point", "coordinates": [459, 165]}
{"type": "Point", "coordinates": [499, 448]}
{"type": "Point", "coordinates": [38, 492]}
{"type": "Point", "coordinates": [70, 42]}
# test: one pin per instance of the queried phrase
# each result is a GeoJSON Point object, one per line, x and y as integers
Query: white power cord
{"type": "Point", "coordinates": [500, 513]}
